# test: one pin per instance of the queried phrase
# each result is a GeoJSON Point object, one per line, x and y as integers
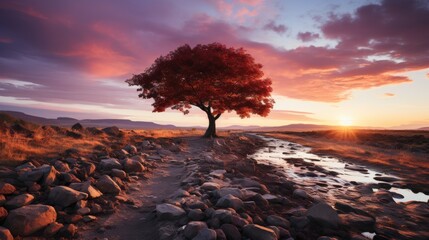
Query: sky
{"type": "Point", "coordinates": [364, 63]}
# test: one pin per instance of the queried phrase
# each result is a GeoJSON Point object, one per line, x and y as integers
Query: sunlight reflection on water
{"type": "Point", "coordinates": [278, 150]}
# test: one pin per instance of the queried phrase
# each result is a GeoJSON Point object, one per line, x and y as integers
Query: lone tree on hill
{"type": "Point", "coordinates": [212, 77]}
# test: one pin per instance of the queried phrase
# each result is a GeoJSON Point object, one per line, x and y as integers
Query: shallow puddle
{"type": "Point", "coordinates": [299, 164]}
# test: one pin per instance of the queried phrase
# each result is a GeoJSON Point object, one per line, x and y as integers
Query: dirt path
{"type": "Point", "coordinates": [136, 219]}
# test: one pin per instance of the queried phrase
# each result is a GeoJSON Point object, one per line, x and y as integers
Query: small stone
{"type": "Point", "coordinates": [192, 228]}
{"type": "Point", "coordinates": [168, 211]}
{"type": "Point", "coordinates": [324, 215]}
{"type": "Point", "coordinates": [275, 220]}
{"type": "Point", "coordinates": [52, 229]}
{"type": "Point", "coordinates": [5, 234]}
{"type": "Point", "coordinates": [89, 218]}
{"type": "Point", "coordinates": [64, 196]}
{"type": "Point", "coordinates": [229, 201]}
{"type": "Point", "coordinates": [19, 201]}
{"type": "Point", "coordinates": [196, 215]}
{"type": "Point", "coordinates": [299, 193]}
{"type": "Point", "coordinates": [68, 231]}
{"type": "Point", "coordinates": [83, 211]}
{"type": "Point", "coordinates": [6, 188]}
{"type": "Point", "coordinates": [210, 186]}
{"type": "Point", "coordinates": [109, 164]}
{"type": "Point", "coordinates": [257, 232]}
{"type": "Point", "coordinates": [86, 187]}
{"type": "Point", "coordinates": [133, 166]}
{"type": "Point", "coordinates": [107, 185]}
{"type": "Point", "coordinates": [231, 232]}
{"type": "Point", "coordinates": [118, 173]}
{"type": "Point", "coordinates": [206, 234]}
{"type": "Point", "coordinates": [2, 199]}
{"type": "Point", "coordinates": [3, 213]}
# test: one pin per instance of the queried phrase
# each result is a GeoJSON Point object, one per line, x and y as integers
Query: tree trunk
{"type": "Point", "coordinates": [211, 130]}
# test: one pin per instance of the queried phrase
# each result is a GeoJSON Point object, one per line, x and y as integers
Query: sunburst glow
{"type": "Point", "coordinates": [345, 121]}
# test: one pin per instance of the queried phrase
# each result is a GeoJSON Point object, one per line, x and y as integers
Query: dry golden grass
{"type": "Point", "coordinates": [47, 143]}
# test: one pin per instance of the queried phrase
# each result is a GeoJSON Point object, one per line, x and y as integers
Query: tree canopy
{"type": "Point", "coordinates": [212, 77]}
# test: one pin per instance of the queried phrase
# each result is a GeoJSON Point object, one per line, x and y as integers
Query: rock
{"type": "Point", "coordinates": [77, 127]}
{"type": "Point", "coordinates": [112, 131]}
{"type": "Point", "coordinates": [3, 213]}
{"type": "Point", "coordinates": [109, 164]}
{"type": "Point", "coordinates": [49, 174]}
{"type": "Point", "coordinates": [89, 218]}
{"type": "Point", "coordinates": [260, 201]}
{"type": "Point", "coordinates": [83, 211]}
{"type": "Point", "coordinates": [384, 196]}
{"type": "Point", "coordinates": [272, 198]}
{"type": "Point", "coordinates": [386, 179]}
{"type": "Point", "coordinates": [52, 229]}
{"type": "Point", "coordinates": [206, 234]}
{"type": "Point", "coordinates": [107, 185]}
{"type": "Point", "coordinates": [68, 231]}
{"type": "Point", "coordinates": [86, 187]}
{"type": "Point", "coordinates": [236, 192]}
{"type": "Point", "coordinates": [359, 222]}
{"type": "Point", "coordinates": [64, 196]}
{"type": "Point", "coordinates": [257, 232]}
{"type": "Point", "coordinates": [168, 211]}
{"type": "Point", "coordinates": [29, 219]}
{"type": "Point", "coordinates": [118, 173]}
{"type": "Point", "coordinates": [324, 215]}
{"type": "Point", "coordinates": [19, 201]}
{"type": "Point", "coordinates": [192, 228]}
{"type": "Point", "coordinates": [299, 193]}
{"type": "Point", "coordinates": [224, 215]}
{"type": "Point", "coordinates": [218, 173]}
{"type": "Point", "coordinates": [231, 232]}
{"type": "Point", "coordinates": [131, 149]}
{"type": "Point", "coordinates": [220, 235]}
{"type": "Point", "coordinates": [275, 220]}
{"type": "Point", "coordinates": [62, 166]}
{"type": "Point", "coordinates": [299, 222]}
{"type": "Point", "coordinates": [196, 215]}
{"type": "Point", "coordinates": [133, 166]}
{"type": "Point", "coordinates": [210, 186]}
{"type": "Point", "coordinates": [2, 200]}
{"type": "Point", "coordinates": [229, 201]}
{"type": "Point", "coordinates": [6, 188]}
{"type": "Point", "coordinates": [69, 178]}
{"type": "Point", "coordinates": [5, 234]}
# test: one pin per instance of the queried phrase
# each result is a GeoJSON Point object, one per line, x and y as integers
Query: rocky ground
{"type": "Point", "coordinates": [186, 188]}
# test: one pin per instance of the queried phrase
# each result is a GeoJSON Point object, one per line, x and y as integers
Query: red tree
{"type": "Point", "coordinates": [212, 77]}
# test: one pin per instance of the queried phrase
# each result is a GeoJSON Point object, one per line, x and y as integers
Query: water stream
{"type": "Point", "coordinates": [296, 161]}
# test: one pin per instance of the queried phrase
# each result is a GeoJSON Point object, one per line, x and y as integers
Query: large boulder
{"type": "Point", "coordinates": [168, 211]}
{"type": "Point", "coordinates": [29, 219]}
{"type": "Point", "coordinates": [257, 232]}
{"type": "Point", "coordinates": [47, 174]}
{"type": "Point", "coordinates": [131, 165]}
{"type": "Point", "coordinates": [324, 215]}
{"type": "Point", "coordinates": [19, 201]}
{"type": "Point", "coordinates": [64, 196]}
{"type": "Point", "coordinates": [86, 187]}
{"type": "Point", "coordinates": [109, 164]}
{"type": "Point", "coordinates": [106, 185]}
{"type": "Point", "coordinates": [112, 131]}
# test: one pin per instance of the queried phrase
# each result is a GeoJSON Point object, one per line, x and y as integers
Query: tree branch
{"type": "Point", "coordinates": [218, 116]}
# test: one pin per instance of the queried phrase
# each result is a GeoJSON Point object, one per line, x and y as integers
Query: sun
{"type": "Point", "coordinates": [346, 121]}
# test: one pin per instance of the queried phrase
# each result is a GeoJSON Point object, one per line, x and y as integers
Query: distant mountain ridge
{"type": "Point", "coordinates": [67, 122]}
{"type": "Point", "coordinates": [424, 128]}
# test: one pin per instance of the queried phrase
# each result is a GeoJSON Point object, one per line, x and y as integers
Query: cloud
{"type": "Point", "coordinates": [307, 36]}
{"type": "Point", "coordinates": [389, 94]}
{"type": "Point", "coordinates": [69, 50]}
{"type": "Point", "coordinates": [292, 116]}
{"type": "Point", "coordinates": [278, 28]}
